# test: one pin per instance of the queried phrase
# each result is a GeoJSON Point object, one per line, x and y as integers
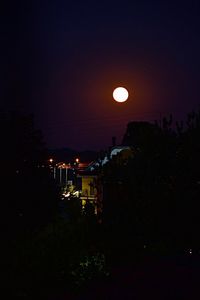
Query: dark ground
{"type": "Point", "coordinates": [155, 278]}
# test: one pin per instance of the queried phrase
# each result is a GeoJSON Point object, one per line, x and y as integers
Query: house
{"type": "Point", "coordinates": [84, 180]}
{"type": "Point", "coordinates": [90, 178]}
{"type": "Point", "coordinates": [88, 186]}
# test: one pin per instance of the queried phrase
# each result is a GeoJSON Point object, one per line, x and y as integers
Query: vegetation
{"type": "Point", "coordinates": [43, 252]}
{"type": "Point", "coordinates": [150, 206]}
{"type": "Point", "coordinates": [29, 195]}
{"type": "Point", "coordinates": [152, 202]}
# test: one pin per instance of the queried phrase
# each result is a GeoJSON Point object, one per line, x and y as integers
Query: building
{"type": "Point", "coordinates": [91, 185]}
{"type": "Point", "coordinates": [88, 189]}
{"type": "Point", "coordinates": [84, 180]}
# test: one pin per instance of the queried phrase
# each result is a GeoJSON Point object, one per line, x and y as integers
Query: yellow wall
{"type": "Point", "coordinates": [87, 190]}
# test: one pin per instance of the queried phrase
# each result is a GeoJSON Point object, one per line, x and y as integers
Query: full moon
{"type": "Point", "coordinates": [120, 94]}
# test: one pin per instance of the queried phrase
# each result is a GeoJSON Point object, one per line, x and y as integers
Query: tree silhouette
{"type": "Point", "coordinates": [28, 195]}
{"type": "Point", "coordinates": [153, 199]}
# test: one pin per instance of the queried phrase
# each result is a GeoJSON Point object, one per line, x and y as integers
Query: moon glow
{"type": "Point", "coordinates": [120, 94]}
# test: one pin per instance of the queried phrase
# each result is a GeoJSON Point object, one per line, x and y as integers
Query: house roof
{"type": "Point", "coordinates": [94, 165]}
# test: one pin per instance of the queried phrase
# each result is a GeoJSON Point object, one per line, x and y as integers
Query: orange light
{"type": "Point", "coordinates": [77, 160]}
{"type": "Point", "coordinates": [51, 160]}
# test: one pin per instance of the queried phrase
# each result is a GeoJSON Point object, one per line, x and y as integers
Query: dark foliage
{"type": "Point", "coordinates": [45, 250]}
{"type": "Point", "coordinates": [28, 195]}
{"type": "Point", "coordinates": [152, 202]}
{"type": "Point", "coordinates": [150, 206]}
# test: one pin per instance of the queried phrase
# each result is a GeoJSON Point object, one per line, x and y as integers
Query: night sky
{"type": "Point", "coordinates": [61, 60]}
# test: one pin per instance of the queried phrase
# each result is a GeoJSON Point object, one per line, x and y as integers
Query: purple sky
{"type": "Point", "coordinates": [61, 60]}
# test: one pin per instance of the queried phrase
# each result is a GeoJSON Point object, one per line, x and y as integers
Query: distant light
{"type": "Point", "coordinates": [77, 160]}
{"type": "Point", "coordinates": [66, 195]}
{"type": "Point", "coordinates": [51, 160]}
{"type": "Point", "coordinates": [76, 193]}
